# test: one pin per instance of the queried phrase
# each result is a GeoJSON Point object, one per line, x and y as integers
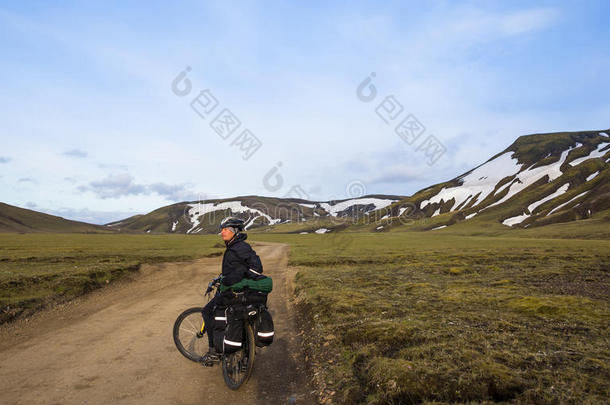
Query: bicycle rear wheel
{"type": "Point", "coordinates": [237, 367]}
{"type": "Point", "coordinates": [188, 336]}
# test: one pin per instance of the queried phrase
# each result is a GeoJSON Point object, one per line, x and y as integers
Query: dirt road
{"type": "Point", "coordinates": [115, 345]}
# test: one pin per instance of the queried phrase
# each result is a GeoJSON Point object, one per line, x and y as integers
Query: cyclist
{"type": "Point", "coordinates": [238, 262]}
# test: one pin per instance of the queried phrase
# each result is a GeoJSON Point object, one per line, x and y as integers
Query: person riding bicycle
{"type": "Point", "coordinates": [238, 262]}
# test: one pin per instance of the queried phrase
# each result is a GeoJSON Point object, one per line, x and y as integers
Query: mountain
{"type": "Point", "coordinates": [260, 213]}
{"type": "Point", "coordinates": [540, 179]}
{"type": "Point", "coordinates": [15, 219]}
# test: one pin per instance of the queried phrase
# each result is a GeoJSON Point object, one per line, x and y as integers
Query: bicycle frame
{"type": "Point", "coordinates": [237, 366]}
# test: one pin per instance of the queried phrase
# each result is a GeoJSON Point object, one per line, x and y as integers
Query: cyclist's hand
{"type": "Point", "coordinates": [210, 288]}
{"type": "Point", "coordinates": [215, 282]}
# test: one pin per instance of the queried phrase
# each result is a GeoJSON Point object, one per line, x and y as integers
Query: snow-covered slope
{"type": "Point", "coordinates": [343, 208]}
{"type": "Point", "coordinates": [205, 216]}
{"type": "Point", "coordinates": [539, 179]}
{"type": "Point", "coordinates": [198, 210]}
{"type": "Point", "coordinates": [537, 176]}
{"type": "Point", "coordinates": [478, 184]}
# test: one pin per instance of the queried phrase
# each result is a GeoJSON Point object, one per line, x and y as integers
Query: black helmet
{"type": "Point", "coordinates": [232, 222]}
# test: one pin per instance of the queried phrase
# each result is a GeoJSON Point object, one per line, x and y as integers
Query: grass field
{"type": "Point", "coordinates": [435, 317]}
{"type": "Point", "coordinates": [40, 269]}
{"type": "Point", "coordinates": [393, 317]}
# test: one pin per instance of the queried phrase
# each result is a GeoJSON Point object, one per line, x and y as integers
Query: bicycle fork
{"type": "Point", "coordinates": [200, 333]}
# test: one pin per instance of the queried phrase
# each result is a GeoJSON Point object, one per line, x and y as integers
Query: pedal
{"type": "Point", "coordinates": [207, 363]}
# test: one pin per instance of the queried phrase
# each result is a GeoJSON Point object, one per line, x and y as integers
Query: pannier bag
{"type": "Point", "coordinates": [256, 297]}
{"type": "Point", "coordinates": [264, 328]}
{"type": "Point", "coordinates": [220, 324]}
{"type": "Point", "coordinates": [234, 332]}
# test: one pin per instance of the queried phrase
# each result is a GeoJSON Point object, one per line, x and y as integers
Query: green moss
{"type": "Point", "coordinates": [558, 307]}
{"type": "Point", "coordinates": [524, 320]}
{"type": "Point", "coordinates": [456, 270]}
{"type": "Point", "coordinates": [39, 269]}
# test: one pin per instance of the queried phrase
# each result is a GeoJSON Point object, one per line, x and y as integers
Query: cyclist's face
{"type": "Point", "coordinates": [226, 234]}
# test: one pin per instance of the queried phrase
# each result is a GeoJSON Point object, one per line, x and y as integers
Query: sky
{"type": "Point", "coordinates": [110, 109]}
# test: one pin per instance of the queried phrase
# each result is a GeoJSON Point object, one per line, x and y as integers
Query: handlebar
{"type": "Point", "coordinates": [212, 284]}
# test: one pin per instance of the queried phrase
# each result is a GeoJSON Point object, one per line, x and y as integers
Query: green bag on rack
{"type": "Point", "coordinates": [264, 284]}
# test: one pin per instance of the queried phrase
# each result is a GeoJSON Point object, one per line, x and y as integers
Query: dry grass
{"type": "Point", "coordinates": [41, 269]}
{"type": "Point", "coordinates": [415, 318]}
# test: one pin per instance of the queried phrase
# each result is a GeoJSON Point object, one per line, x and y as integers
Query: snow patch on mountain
{"type": "Point", "coordinates": [596, 153]}
{"type": "Point", "coordinates": [529, 176]}
{"type": "Point", "coordinates": [520, 218]}
{"type": "Point", "coordinates": [557, 193]}
{"type": "Point", "coordinates": [592, 176]}
{"type": "Point", "coordinates": [515, 220]}
{"type": "Point", "coordinates": [339, 207]}
{"type": "Point", "coordinates": [250, 222]}
{"type": "Point", "coordinates": [481, 181]}
{"type": "Point", "coordinates": [507, 184]}
{"type": "Point", "coordinates": [566, 203]}
{"type": "Point", "coordinates": [198, 210]}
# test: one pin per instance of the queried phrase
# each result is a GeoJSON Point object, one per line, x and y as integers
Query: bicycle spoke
{"type": "Point", "coordinates": [191, 345]}
{"type": "Point", "coordinates": [189, 331]}
{"type": "Point", "coordinates": [187, 336]}
{"type": "Point", "coordinates": [188, 320]}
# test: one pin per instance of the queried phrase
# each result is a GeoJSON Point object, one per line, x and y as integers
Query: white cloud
{"type": "Point", "coordinates": [77, 153]}
{"type": "Point", "coordinates": [114, 186]}
{"type": "Point", "coordinates": [298, 98]}
{"type": "Point", "coordinates": [82, 214]}
{"type": "Point", "coordinates": [123, 184]}
{"type": "Point", "coordinates": [478, 24]}
{"type": "Point", "coordinates": [527, 21]}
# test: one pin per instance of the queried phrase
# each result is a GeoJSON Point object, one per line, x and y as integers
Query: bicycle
{"type": "Point", "coordinates": [189, 331]}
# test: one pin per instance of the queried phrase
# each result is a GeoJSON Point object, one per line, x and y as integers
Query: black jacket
{"type": "Point", "coordinates": [240, 261]}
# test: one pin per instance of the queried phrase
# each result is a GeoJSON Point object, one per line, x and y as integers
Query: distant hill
{"type": "Point", "coordinates": [540, 179]}
{"type": "Point", "coordinates": [259, 213]}
{"type": "Point", "coordinates": [15, 219]}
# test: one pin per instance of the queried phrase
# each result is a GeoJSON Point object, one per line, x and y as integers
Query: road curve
{"type": "Point", "coordinates": [115, 345]}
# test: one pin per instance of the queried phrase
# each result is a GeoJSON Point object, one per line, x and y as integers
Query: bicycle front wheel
{"type": "Point", "coordinates": [237, 367]}
{"type": "Point", "coordinates": [188, 334]}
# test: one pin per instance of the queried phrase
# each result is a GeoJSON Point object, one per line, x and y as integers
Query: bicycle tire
{"type": "Point", "coordinates": [230, 361]}
{"type": "Point", "coordinates": [192, 354]}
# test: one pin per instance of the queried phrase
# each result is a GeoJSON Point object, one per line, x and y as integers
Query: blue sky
{"type": "Point", "coordinates": [91, 128]}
